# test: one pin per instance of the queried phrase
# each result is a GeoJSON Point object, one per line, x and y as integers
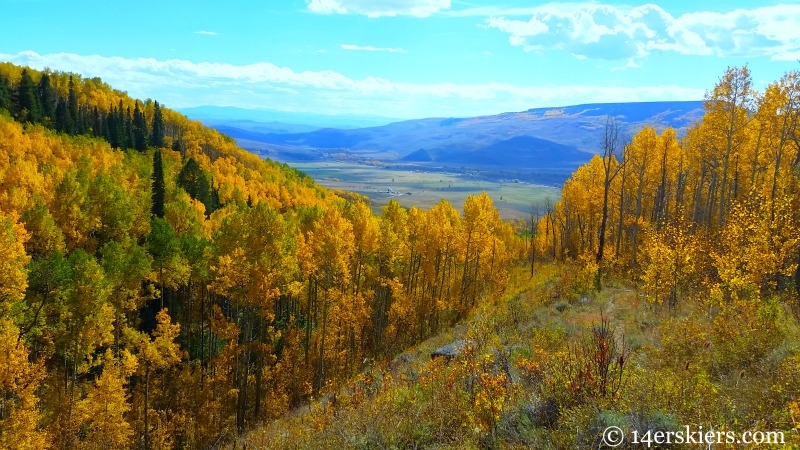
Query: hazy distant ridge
{"type": "Point", "coordinates": [539, 137]}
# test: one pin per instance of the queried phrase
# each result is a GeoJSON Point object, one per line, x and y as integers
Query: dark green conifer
{"type": "Point", "coordinates": [28, 108]}
{"type": "Point", "coordinates": [114, 127]}
{"type": "Point", "coordinates": [157, 130]}
{"type": "Point", "coordinates": [159, 188]}
{"type": "Point", "coordinates": [139, 129]}
{"type": "Point", "coordinates": [129, 138]}
{"type": "Point", "coordinates": [97, 123]}
{"type": "Point", "coordinates": [47, 99]}
{"type": "Point", "coordinates": [63, 120]}
{"type": "Point", "coordinates": [5, 93]}
{"type": "Point", "coordinates": [196, 182]}
{"type": "Point", "coordinates": [72, 104]}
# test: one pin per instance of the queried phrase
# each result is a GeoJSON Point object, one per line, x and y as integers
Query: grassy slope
{"type": "Point", "coordinates": [687, 367]}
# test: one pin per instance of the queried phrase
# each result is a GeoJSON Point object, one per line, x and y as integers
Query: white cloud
{"type": "Point", "coordinates": [207, 33]}
{"type": "Point", "coordinates": [379, 8]}
{"type": "Point", "coordinates": [181, 83]}
{"type": "Point", "coordinates": [369, 48]}
{"type": "Point", "coordinates": [492, 11]}
{"type": "Point", "coordinates": [786, 56]}
{"type": "Point", "coordinates": [631, 64]}
{"type": "Point", "coordinates": [326, 7]}
{"type": "Point", "coordinates": [610, 32]}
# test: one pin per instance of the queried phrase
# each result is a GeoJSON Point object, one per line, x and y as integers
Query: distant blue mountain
{"type": "Point", "coordinates": [225, 115]}
{"type": "Point", "coordinates": [562, 137]}
{"type": "Point", "coordinates": [239, 126]}
{"type": "Point", "coordinates": [678, 114]}
{"type": "Point", "coordinates": [518, 151]}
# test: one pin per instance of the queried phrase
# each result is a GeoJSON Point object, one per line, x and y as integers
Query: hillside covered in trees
{"type": "Point", "coordinates": [714, 215]}
{"type": "Point", "coordinates": [662, 296]}
{"type": "Point", "coordinates": [162, 288]}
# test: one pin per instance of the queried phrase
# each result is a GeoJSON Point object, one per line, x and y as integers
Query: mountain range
{"type": "Point", "coordinates": [560, 138]}
{"type": "Point", "coordinates": [281, 119]}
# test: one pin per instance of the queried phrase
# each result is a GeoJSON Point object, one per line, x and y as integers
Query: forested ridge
{"type": "Point", "coordinates": [661, 295]}
{"type": "Point", "coordinates": [162, 288]}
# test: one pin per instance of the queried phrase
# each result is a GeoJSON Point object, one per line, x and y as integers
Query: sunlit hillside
{"type": "Point", "coordinates": [660, 299]}
{"type": "Point", "coordinates": [162, 288]}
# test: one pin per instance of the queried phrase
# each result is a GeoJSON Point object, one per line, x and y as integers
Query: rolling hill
{"type": "Point", "coordinates": [563, 137]}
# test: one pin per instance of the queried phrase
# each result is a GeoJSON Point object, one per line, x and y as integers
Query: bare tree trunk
{"type": "Point", "coordinates": [610, 171]}
{"type": "Point", "coordinates": [534, 226]}
{"type": "Point", "coordinates": [621, 209]}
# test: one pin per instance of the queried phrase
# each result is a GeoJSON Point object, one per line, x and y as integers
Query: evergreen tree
{"type": "Point", "coordinates": [47, 99]}
{"type": "Point", "coordinates": [139, 129]}
{"type": "Point", "coordinates": [157, 130]}
{"type": "Point", "coordinates": [63, 118]}
{"type": "Point", "coordinates": [159, 189]}
{"type": "Point", "coordinates": [73, 109]}
{"type": "Point", "coordinates": [215, 202]}
{"type": "Point", "coordinates": [194, 180]}
{"type": "Point", "coordinates": [28, 108]}
{"type": "Point", "coordinates": [114, 135]}
{"type": "Point", "coordinates": [97, 123]}
{"type": "Point", "coordinates": [80, 122]}
{"type": "Point", "coordinates": [5, 93]}
{"type": "Point", "coordinates": [129, 138]}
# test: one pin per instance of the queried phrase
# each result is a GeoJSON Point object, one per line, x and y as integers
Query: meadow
{"type": "Point", "coordinates": [513, 198]}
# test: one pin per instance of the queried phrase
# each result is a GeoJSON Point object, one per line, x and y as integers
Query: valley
{"type": "Point", "coordinates": [385, 224]}
{"type": "Point", "coordinates": [423, 188]}
{"type": "Point", "coordinates": [520, 159]}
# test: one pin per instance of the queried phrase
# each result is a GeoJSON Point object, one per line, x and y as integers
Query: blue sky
{"type": "Point", "coordinates": [404, 58]}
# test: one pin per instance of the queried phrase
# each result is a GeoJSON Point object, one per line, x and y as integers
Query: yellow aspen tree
{"type": "Point", "coordinates": [778, 111]}
{"type": "Point", "coordinates": [87, 317]}
{"type": "Point", "coordinates": [639, 156]}
{"type": "Point", "coordinates": [19, 381]}
{"type": "Point", "coordinates": [480, 221]}
{"type": "Point", "coordinates": [155, 355]}
{"type": "Point", "coordinates": [254, 268]}
{"type": "Point", "coordinates": [757, 247]}
{"type": "Point", "coordinates": [404, 311]}
{"type": "Point", "coordinates": [671, 262]}
{"type": "Point", "coordinates": [669, 174]}
{"type": "Point", "coordinates": [365, 244]}
{"type": "Point", "coordinates": [69, 209]}
{"type": "Point", "coordinates": [439, 259]}
{"type": "Point", "coordinates": [701, 178]}
{"type": "Point", "coordinates": [364, 273]}
{"type": "Point", "coordinates": [331, 243]}
{"type": "Point", "coordinates": [103, 410]}
{"type": "Point", "coordinates": [170, 268]}
{"type": "Point", "coordinates": [46, 237]}
{"type": "Point", "coordinates": [580, 209]}
{"type": "Point", "coordinates": [391, 250]}
{"type": "Point", "coordinates": [13, 259]}
{"type": "Point", "coordinates": [727, 116]}
{"type": "Point", "coordinates": [80, 321]}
